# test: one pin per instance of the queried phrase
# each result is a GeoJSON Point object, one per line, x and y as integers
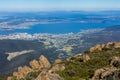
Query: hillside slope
{"type": "Point", "coordinates": [100, 62]}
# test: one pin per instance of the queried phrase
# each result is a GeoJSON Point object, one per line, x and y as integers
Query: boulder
{"type": "Point", "coordinates": [48, 75]}
{"type": "Point", "coordinates": [44, 62]}
{"type": "Point", "coordinates": [117, 45]}
{"type": "Point", "coordinates": [109, 45]}
{"type": "Point", "coordinates": [9, 78]}
{"type": "Point", "coordinates": [57, 61]}
{"type": "Point", "coordinates": [18, 75]}
{"type": "Point", "coordinates": [22, 72]}
{"type": "Point", "coordinates": [115, 61]}
{"type": "Point", "coordinates": [92, 49]}
{"type": "Point", "coordinates": [35, 65]}
{"type": "Point", "coordinates": [97, 47]}
{"type": "Point", "coordinates": [85, 58]}
{"type": "Point", "coordinates": [102, 73]}
{"type": "Point", "coordinates": [58, 67]}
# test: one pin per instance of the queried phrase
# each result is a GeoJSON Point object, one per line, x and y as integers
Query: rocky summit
{"type": "Point", "coordinates": [101, 62]}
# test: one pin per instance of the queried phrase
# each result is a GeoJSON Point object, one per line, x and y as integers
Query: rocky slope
{"type": "Point", "coordinates": [101, 62]}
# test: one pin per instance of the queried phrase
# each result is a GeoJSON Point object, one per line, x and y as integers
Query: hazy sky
{"type": "Point", "coordinates": [45, 5]}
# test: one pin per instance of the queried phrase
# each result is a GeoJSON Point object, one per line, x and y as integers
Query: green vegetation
{"type": "Point", "coordinates": [14, 78]}
{"type": "Point", "coordinates": [78, 70]}
{"type": "Point", "coordinates": [32, 75]}
{"type": "Point", "coordinates": [98, 63]}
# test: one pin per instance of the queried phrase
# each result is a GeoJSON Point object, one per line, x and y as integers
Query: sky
{"type": "Point", "coordinates": [49, 5]}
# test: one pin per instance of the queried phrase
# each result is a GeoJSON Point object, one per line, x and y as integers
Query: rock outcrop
{"type": "Point", "coordinates": [111, 72]}
{"type": "Point", "coordinates": [22, 72]}
{"type": "Point", "coordinates": [103, 72]}
{"type": "Point", "coordinates": [85, 58]}
{"type": "Point", "coordinates": [35, 65]}
{"type": "Point", "coordinates": [9, 78]}
{"type": "Point", "coordinates": [82, 57]}
{"type": "Point", "coordinates": [109, 45]}
{"type": "Point", "coordinates": [48, 75]}
{"type": "Point", "coordinates": [44, 62]}
{"type": "Point", "coordinates": [57, 61]}
{"type": "Point", "coordinates": [117, 45]}
{"type": "Point", "coordinates": [115, 61]}
{"type": "Point", "coordinates": [58, 67]}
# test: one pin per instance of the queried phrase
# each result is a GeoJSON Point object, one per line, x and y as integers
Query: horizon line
{"type": "Point", "coordinates": [92, 10]}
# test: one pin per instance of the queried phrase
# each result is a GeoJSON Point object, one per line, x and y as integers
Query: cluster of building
{"type": "Point", "coordinates": [57, 39]}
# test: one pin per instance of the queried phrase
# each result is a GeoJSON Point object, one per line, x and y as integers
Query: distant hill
{"type": "Point", "coordinates": [109, 34]}
{"type": "Point", "coordinates": [19, 45]}
{"type": "Point", "coordinates": [113, 28]}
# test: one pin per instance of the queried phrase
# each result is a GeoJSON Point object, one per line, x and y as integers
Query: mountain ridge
{"type": "Point", "coordinates": [98, 63]}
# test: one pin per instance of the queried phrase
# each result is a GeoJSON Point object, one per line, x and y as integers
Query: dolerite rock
{"type": "Point", "coordinates": [97, 47]}
{"type": "Point", "coordinates": [48, 75]}
{"type": "Point", "coordinates": [115, 61]}
{"type": "Point", "coordinates": [58, 67]}
{"type": "Point", "coordinates": [109, 45]}
{"type": "Point", "coordinates": [117, 45]}
{"type": "Point", "coordinates": [57, 61]}
{"type": "Point", "coordinates": [103, 73]}
{"type": "Point", "coordinates": [44, 62]}
{"type": "Point", "coordinates": [22, 72]}
{"type": "Point", "coordinates": [9, 78]}
{"type": "Point", "coordinates": [85, 58]}
{"type": "Point", "coordinates": [35, 65]}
